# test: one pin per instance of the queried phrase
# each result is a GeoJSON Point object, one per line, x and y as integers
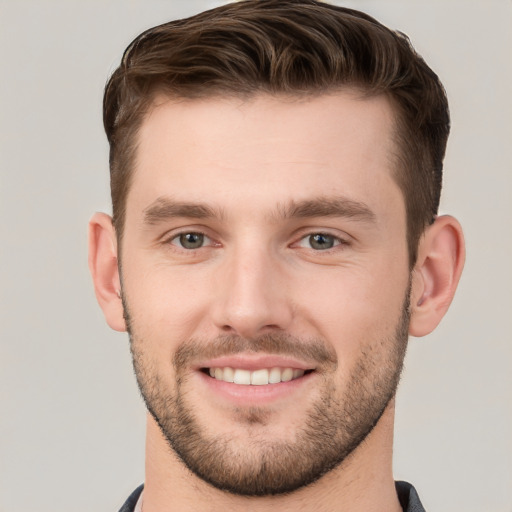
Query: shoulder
{"type": "Point", "coordinates": [408, 497]}
{"type": "Point", "coordinates": [129, 505]}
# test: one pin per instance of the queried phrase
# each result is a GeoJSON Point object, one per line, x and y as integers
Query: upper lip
{"type": "Point", "coordinates": [253, 362]}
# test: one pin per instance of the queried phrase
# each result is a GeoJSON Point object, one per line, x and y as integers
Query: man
{"type": "Point", "coordinates": [275, 174]}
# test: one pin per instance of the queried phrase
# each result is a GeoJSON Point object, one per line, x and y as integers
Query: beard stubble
{"type": "Point", "coordinates": [333, 429]}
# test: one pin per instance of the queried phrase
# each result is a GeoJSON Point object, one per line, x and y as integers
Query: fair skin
{"type": "Point", "coordinates": [227, 198]}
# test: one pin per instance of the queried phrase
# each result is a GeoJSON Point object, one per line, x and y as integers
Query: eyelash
{"type": "Point", "coordinates": [179, 237]}
{"type": "Point", "coordinates": [337, 241]}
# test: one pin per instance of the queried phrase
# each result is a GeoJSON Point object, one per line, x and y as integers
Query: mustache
{"type": "Point", "coordinates": [314, 350]}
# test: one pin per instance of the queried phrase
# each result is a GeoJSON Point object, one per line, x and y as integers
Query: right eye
{"type": "Point", "coordinates": [191, 240]}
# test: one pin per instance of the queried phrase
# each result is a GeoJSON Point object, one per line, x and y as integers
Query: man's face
{"type": "Point", "coordinates": [265, 282]}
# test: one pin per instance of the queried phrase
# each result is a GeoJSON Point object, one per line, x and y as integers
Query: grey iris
{"type": "Point", "coordinates": [321, 242]}
{"type": "Point", "coordinates": [191, 240]}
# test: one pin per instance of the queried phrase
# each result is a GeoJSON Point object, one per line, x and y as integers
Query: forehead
{"type": "Point", "coordinates": [268, 149]}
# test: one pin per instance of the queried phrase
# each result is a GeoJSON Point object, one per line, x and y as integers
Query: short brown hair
{"type": "Point", "coordinates": [292, 47]}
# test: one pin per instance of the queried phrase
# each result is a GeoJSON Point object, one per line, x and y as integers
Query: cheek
{"type": "Point", "coordinates": [165, 304]}
{"type": "Point", "coordinates": [353, 309]}
{"type": "Point", "coordinates": [168, 304]}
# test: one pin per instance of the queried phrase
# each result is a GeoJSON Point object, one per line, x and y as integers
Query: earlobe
{"type": "Point", "coordinates": [436, 274]}
{"type": "Point", "coordinates": [103, 265]}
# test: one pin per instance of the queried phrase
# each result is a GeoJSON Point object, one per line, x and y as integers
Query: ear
{"type": "Point", "coordinates": [103, 264]}
{"type": "Point", "coordinates": [436, 274]}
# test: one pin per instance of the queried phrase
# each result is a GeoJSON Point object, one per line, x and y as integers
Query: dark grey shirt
{"type": "Point", "coordinates": [407, 496]}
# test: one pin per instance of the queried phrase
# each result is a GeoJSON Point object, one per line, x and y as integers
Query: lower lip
{"type": "Point", "coordinates": [250, 395]}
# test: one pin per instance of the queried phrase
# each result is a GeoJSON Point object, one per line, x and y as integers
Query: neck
{"type": "Point", "coordinates": [363, 482]}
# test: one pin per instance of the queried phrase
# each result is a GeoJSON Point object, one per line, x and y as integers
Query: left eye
{"type": "Point", "coordinates": [319, 241]}
{"type": "Point", "coordinates": [190, 240]}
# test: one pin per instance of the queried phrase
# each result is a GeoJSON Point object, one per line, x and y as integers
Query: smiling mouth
{"type": "Point", "coordinates": [260, 377]}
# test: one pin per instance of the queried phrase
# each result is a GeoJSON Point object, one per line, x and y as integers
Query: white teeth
{"type": "Point", "coordinates": [297, 373]}
{"type": "Point", "coordinates": [274, 376]}
{"type": "Point", "coordinates": [257, 377]}
{"type": "Point", "coordinates": [242, 377]}
{"type": "Point", "coordinates": [228, 374]}
{"type": "Point", "coordinates": [287, 375]}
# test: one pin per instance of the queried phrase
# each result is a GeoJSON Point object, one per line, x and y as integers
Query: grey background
{"type": "Point", "coordinates": [71, 421]}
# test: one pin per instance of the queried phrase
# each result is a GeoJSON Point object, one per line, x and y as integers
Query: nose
{"type": "Point", "coordinates": [251, 296]}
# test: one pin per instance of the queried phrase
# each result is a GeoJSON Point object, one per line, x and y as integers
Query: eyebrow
{"type": "Point", "coordinates": [165, 208]}
{"type": "Point", "coordinates": [327, 207]}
